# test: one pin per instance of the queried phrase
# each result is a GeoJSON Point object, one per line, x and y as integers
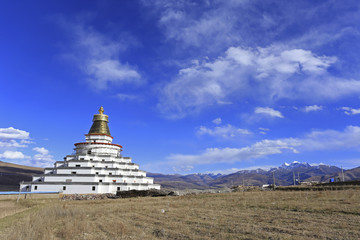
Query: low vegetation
{"type": "Point", "coordinates": [238, 215]}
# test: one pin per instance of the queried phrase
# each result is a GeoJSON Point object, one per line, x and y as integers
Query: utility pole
{"type": "Point", "coordinates": [274, 180]}
{"type": "Point", "coordinates": [299, 178]}
{"type": "Point", "coordinates": [342, 173]}
{"type": "Point", "coordinates": [294, 178]}
{"type": "Point", "coordinates": [19, 192]}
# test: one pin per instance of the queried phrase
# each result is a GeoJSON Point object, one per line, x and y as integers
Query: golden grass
{"type": "Point", "coordinates": [29, 196]}
{"type": "Point", "coordinates": [241, 215]}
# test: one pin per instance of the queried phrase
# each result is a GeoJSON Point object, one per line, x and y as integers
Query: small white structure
{"type": "Point", "coordinates": [96, 167]}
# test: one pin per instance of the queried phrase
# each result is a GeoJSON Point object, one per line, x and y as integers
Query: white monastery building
{"type": "Point", "coordinates": [97, 166]}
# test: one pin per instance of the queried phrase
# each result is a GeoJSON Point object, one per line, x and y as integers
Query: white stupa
{"type": "Point", "coordinates": [97, 166]}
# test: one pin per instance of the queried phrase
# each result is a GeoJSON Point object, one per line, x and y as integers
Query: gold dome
{"type": "Point", "coordinates": [100, 123]}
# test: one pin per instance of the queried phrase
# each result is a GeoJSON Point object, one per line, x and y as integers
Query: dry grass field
{"type": "Point", "coordinates": [240, 215]}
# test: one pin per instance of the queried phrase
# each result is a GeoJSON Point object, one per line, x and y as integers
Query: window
{"type": "Point", "coordinates": [118, 188]}
{"type": "Point", "coordinates": [91, 159]}
{"type": "Point", "coordinates": [89, 152]}
{"type": "Point", "coordinates": [82, 159]}
{"type": "Point", "coordinates": [27, 187]}
{"type": "Point", "coordinates": [106, 166]}
{"type": "Point", "coordinates": [64, 188]}
{"type": "Point", "coordinates": [97, 173]}
{"type": "Point", "coordinates": [93, 166]}
{"type": "Point", "coordinates": [77, 165]}
{"type": "Point", "coordinates": [100, 180]}
{"type": "Point", "coordinates": [110, 173]}
{"type": "Point", "coordinates": [35, 188]}
{"type": "Point", "coordinates": [103, 160]}
{"type": "Point", "coordinates": [73, 172]}
{"type": "Point", "coordinates": [93, 188]}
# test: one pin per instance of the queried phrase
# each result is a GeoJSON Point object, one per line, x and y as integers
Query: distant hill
{"type": "Point", "coordinates": [284, 176]}
{"type": "Point", "coordinates": [11, 174]}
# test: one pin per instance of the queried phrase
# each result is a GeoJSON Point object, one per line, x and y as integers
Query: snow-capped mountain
{"type": "Point", "coordinates": [294, 165]}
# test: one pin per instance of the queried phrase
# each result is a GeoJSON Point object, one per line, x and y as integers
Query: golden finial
{"type": "Point", "coordinates": [101, 110]}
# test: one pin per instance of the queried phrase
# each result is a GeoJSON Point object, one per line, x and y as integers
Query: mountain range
{"type": "Point", "coordinates": [284, 175]}
{"type": "Point", "coordinates": [12, 174]}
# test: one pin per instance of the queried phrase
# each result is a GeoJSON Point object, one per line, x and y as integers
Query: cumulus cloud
{"type": "Point", "coordinates": [312, 108]}
{"type": "Point", "coordinates": [269, 112]}
{"type": "Point", "coordinates": [42, 158]}
{"type": "Point", "coordinates": [227, 131]}
{"type": "Point", "coordinates": [231, 155]}
{"type": "Point", "coordinates": [273, 73]}
{"type": "Point", "coordinates": [351, 111]}
{"type": "Point", "coordinates": [263, 130]}
{"type": "Point", "coordinates": [41, 150]}
{"type": "Point", "coordinates": [13, 133]}
{"type": "Point", "coordinates": [331, 139]}
{"type": "Point", "coordinates": [97, 56]}
{"type": "Point", "coordinates": [316, 140]}
{"type": "Point", "coordinates": [11, 143]}
{"type": "Point", "coordinates": [13, 155]}
{"type": "Point", "coordinates": [234, 170]}
{"type": "Point", "coordinates": [13, 138]}
{"type": "Point", "coordinates": [217, 121]}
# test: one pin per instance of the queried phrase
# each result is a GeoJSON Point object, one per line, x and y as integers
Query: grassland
{"type": "Point", "coordinates": [240, 215]}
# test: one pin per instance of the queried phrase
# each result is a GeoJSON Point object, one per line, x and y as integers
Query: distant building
{"type": "Point", "coordinates": [96, 167]}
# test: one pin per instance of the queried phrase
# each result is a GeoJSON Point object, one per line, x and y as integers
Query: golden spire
{"type": "Point", "coordinates": [100, 125]}
{"type": "Point", "coordinates": [101, 110]}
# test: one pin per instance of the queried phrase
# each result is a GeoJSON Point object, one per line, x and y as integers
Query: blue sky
{"type": "Point", "coordinates": [189, 86]}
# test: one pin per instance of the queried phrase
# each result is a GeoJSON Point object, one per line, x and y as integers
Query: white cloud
{"type": "Point", "coordinates": [11, 143]}
{"type": "Point", "coordinates": [314, 141]}
{"type": "Point", "coordinates": [331, 139]}
{"type": "Point", "coordinates": [231, 155]}
{"type": "Point", "coordinates": [13, 138]}
{"type": "Point", "coordinates": [234, 170]}
{"type": "Point", "coordinates": [97, 56]}
{"type": "Point", "coordinates": [124, 97]}
{"type": "Point", "coordinates": [312, 108]}
{"type": "Point", "coordinates": [183, 168]}
{"type": "Point", "coordinates": [13, 133]}
{"type": "Point", "coordinates": [272, 73]}
{"type": "Point", "coordinates": [268, 111]}
{"type": "Point", "coordinates": [13, 155]}
{"type": "Point", "coordinates": [217, 121]}
{"type": "Point", "coordinates": [42, 158]}
{"type": "Point", "coordinates": [351, 111]}
{"type": "Point", "coordinates": [263, 130]}
{"type": "Point", "coordinates": [41, 150]}
{"type": "Point", "coordinates": [227, 131]}
{"type": "Point", "coordinates": [198, 29]}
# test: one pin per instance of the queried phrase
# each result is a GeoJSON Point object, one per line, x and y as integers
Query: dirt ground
{"type": "Point", "coordinates": [239, 215]}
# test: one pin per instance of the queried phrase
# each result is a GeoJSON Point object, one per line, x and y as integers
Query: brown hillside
{"type": "Point", "coordinates": [12, 174]}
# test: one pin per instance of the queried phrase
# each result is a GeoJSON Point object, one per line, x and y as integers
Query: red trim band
{"type": "Point", "coordinates": [98, 143]}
